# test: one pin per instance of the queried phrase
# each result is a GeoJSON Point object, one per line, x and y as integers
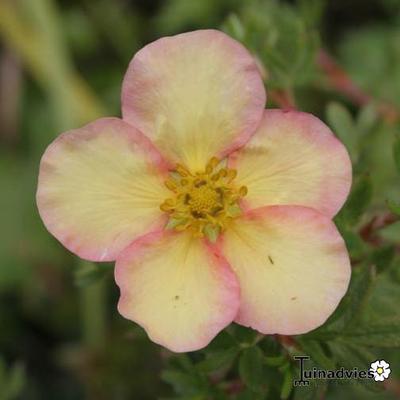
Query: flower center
{"type": "Point", "coordinates": [203, 202]}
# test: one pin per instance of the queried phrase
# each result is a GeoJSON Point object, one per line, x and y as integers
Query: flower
{"type": "Point", "coordinates": [380, 370]}
{"type": "Point", "coordinates": [204, 230]}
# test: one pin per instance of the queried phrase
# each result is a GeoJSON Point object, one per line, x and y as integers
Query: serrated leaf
{"type": "Point", "coordinates": [360, 291]}
{"type": "Point", "coordinates": [350, 310]}
{"type": "Point", "coordinates": [382, 333]}
{"type": "Point", "coordinates": [316, 352]}
{"type": "Point", "coordinates": [251, 368]}
{"type": "Point", "coordinates": [358, 201]}
{"type": "Point", "coordinates": [218, 359]}
{"type": "Point", "coordinates": [244, 336]}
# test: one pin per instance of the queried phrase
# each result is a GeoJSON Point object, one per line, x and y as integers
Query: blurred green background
{"type": "Point", "coordinates": [61, 65]}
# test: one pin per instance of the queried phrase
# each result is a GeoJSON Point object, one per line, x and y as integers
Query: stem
{"type": "Point", "coordinates": [341, 81]}
{"type": "Point", "coordinates": [284, 99]}
{"type": "Point", "coordinates": [93, 309]}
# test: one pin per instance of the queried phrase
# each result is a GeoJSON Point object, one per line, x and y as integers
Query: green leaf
{"type": "Point", "coordinates": [314, 349]}
{"type": "Point", "coordinates": [218, 359]}
{"type": "Point", "coordinates": [341, 121]}
{"type": "Point", "coordinates": [383, 257]}
{"type": "Point", "coordinates": [244, 336]}
{"type": "Point", "coordinates": [251, 368]}
{"type": "Point", "coordinates": [280, 37]}
{"type": "Point", "coordinates": [396, 153]}
{"type": "Point", "coordinates": [367, 119]}
{"type": "Point", "coordinates": [311, 392]}
{"type": "Point", "coordinates": [351, 309]}
{"type": "Point", "coordinates": [287, 384]}
{"type": "Point", "coordinates": [358, 201]}
{"type": "Point", "coordinates": [394, 207]}
{"type": "Point", "coordinates": [355, 245]}
{"type": "Point", "coordinates": [361, 288]}
{"type": "Point", "coordinates": [12, 381]}
{"type": "Point", "coordinates": [276, 361]}
{"type": "Point", "coordinates": [382, 333]}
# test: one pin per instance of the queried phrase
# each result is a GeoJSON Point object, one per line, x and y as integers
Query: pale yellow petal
{"type": "Point", "coordinates": [292, 266]}
{"type": "Point", "coordinates": [196, 95]}
{"type": "Point", "coordinates": [98, 189]}
{"type": "Point", "coordinates": [294, 159]}
{"type": "Point", "coordinates": [176, 289]}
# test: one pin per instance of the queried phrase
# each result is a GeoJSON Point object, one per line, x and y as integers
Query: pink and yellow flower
{"type": "Point", "coordinates": [215, 209]}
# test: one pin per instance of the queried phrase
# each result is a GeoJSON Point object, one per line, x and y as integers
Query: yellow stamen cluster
{"type": "Point", "coordinates": [203, 202]}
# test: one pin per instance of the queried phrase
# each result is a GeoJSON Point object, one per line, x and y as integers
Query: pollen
{"type": "Point", "coordinates": [203, 202]}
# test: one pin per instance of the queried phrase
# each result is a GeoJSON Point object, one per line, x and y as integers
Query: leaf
{"type": "Point", "coordinates": [367, 118]}
{"type": "Point", "coordinates": [355, 245]}
{"type": "Point", "coordinates": [243, 335]}
{"type": "Point", "coordinates": [382, 257]}
{"type": "Point", "coordinates": [251, 368]}
{"type": "Point", "coordinates": [394, 207]}
{"type": "Point", "coordinates": [361, 288]}
{"type": "Point", "coordinates": [358, 201]}
{"type": "Point", "coordinates": [314, 349]}
{"type": "Point", "coordinates": [218, 360]}
{"type": "Point", "coordinates": [287, 384]}
{"type": "Point", "coordinates": [12, 381]}
{"type": "Point", "coordinates": [382, 333]}
{"type": "Point", "coordinates": [340, 119]}
{"type": "Point", "coordinates": [351, 309]}
{"type": "Point", "coordinates": [182, 382]}
{"type": "Point", "coordinates": [276, 361]}
{"type": "Point", "coordinates": [311, 392]}
{"type": "Point", "coordinates": [280, 38]}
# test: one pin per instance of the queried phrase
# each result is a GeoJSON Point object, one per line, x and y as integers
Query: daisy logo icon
{"type": "Point", "coordinates": [380, 370]}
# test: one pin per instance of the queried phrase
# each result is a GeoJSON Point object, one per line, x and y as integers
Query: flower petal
{"type": "Point", "coordinates": [386, 373]}
{"type": "Point", "coordinates": [98, 190]}
{"type": "Point", "coordinates": [294, 159]}
{"type": "Point", "coordinates": [195, 95]}
{"type": "Point", "coordinates": [379, 378]}
{"type": "Point", "coordinates": [384, 364]}
{"type": "Point", "coordinates": [374, 365]}
{"type": "Point", "coordinates": [176, 289]}
{"type": "Point", "coordinates": [292, 266]}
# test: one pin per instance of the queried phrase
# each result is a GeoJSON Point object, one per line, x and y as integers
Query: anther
{"type": "Point", "coordinates": [231, 174]}
{"type": "Point", "coordinates": [171, 185]}
{"type": "Point", "coordinates": [223, 172]}
{"type": "Point", "coordinates": [243, 191]}
{"type": "Point", "coordinates": [181, 170]}
{"type": "Point", "coordinates": [212, 164]}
